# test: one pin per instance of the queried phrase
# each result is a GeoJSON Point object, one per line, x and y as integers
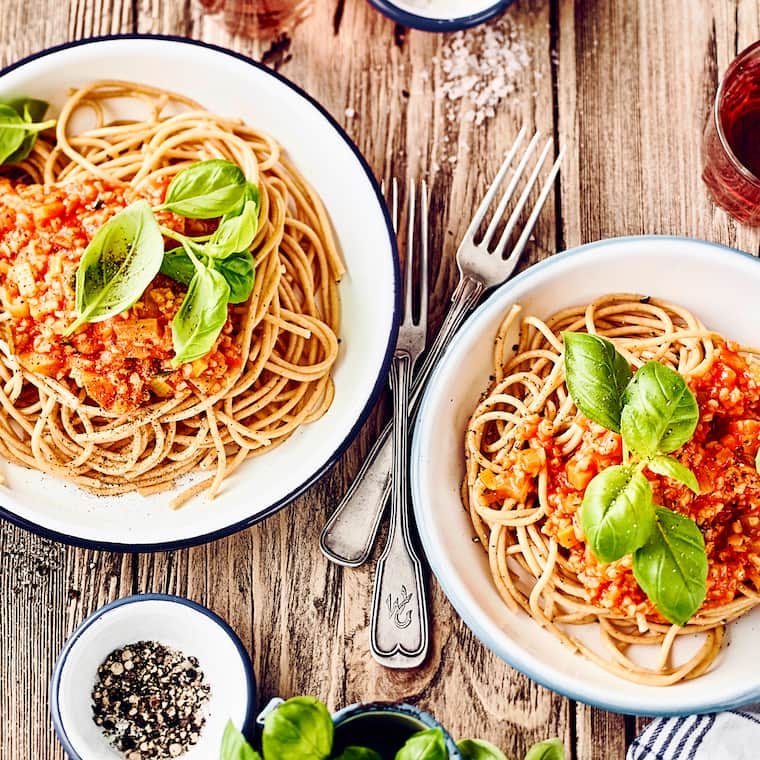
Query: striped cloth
{"type": "Point", "coordinates": [733, 735]}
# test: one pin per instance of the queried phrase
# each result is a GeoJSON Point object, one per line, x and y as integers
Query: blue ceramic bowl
{"type": "Point", "coordinates": [170, 620]}
{"type": "Point", "coordinates": [440, 15]}
{"type": "Point", "coordinates": [400, 720]}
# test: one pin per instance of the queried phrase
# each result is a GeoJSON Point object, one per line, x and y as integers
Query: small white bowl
{"type": "Point", "coordinates": [721, 287]}
{"type": "Point", "coordinates": [440, 15]}
{"type": "Point", "coordinates": [170, 620]}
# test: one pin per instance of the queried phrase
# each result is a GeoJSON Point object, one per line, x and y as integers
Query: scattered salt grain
{"type": "Point", "coordinates": [479, 68]}
{"type": "Point", "coordinates": [350, 113]}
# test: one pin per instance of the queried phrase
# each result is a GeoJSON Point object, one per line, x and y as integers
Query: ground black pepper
{"type": "Point", "coordinates": [149, 701]}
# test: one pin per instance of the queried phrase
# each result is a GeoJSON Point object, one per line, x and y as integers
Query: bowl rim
{"type": "Point", "coordinates": [71, 642]}
{"type": "Point", "coordinates": [380, 381]}
{"type": "Point", "coordinates": [427, 24]}
{"type": "Point", "coordinates": [502, 648]}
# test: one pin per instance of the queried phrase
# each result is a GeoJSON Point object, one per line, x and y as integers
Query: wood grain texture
{"type": "Point", "coordinates": [626, 86]}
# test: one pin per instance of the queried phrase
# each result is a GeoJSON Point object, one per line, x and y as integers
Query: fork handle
{"type": "Point", "coordinates": [349, 534]}
{"type": "Point", "coordinates": [399, 622]}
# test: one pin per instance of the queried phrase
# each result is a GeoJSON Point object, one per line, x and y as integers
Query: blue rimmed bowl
{"type": "Point", "coordinates": [170, 620]}
{"type": "Point", "coordinates": [440, 15]}
{"type": "Point", "coordinates": [384, 727]}
{"type": "Point", "coordinates": [720, 286]}
{"type": "Point", "coordinates": [234, 86]}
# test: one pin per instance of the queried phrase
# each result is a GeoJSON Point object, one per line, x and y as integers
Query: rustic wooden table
{"type": "Point", "coordinates": [626, 86]}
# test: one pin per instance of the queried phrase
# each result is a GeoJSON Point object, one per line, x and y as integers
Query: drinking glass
{"type": "Point", "coordinates": [259, 19]}
{"type": "Point", "coordinates": [731, 144]}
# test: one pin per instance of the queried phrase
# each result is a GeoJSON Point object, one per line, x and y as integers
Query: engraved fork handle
{"type": "Point", "coordinates": [349, 534]}
{"type": "Point", "coordinates": [399, 624]}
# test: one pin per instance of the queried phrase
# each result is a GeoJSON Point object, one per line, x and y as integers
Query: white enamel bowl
{"type": "Point", "coordinates": [174, 622]}
{"type": "Point", "coordinates": [722, 287]}
{"type": "Point", "coordinates": [232, 85]}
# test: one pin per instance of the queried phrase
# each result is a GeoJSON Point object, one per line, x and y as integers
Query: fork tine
{"type": "Point", "coordinates": [469, 235]}
{"type": "Point", "coordinates": [409, 264]}
{"type": "Point", "coordinates": [518, 249]}
{"type": "Point", "coordinates": [499, 213]}
{"type": "Point", "coordinates": [499, 249]}
{"type": "Point", "coordinates": [424, 255]}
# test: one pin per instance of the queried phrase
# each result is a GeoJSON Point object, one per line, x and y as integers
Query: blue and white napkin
{"type": "Point", "coordinates": [733, 735]}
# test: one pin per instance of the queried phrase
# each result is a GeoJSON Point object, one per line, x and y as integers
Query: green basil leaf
{"type": "Point", "coordinates": [424, 745]}
{"type": "Point", "coordinates": [551, 749]}
{"type": "Point", "coordinates": [479, 749]}
{"type": "Point", "coordinates": [234, 233]}
{"type": "Point", "coordinates": [177, 265]}
{"type": "Point", "coordinates": [234, 745]}
{"type": "Point", "coordinates": [11, 136]}
{"type": "Point", "coordinates": [30, 110]}
{"type": "Point", "coordinates": [617, 513]}
{"type": "Point", "coordinates": [671, 567]}
{"type": "Point", "coordinates": [299, 728]}
{"type": "Point", "coordinates": [757, 461]}
{"type": "Point", "coordinates": [200, 319]}
{"type": "Point", "coordinates": [672, 468]}
{"type": "Point", "coordinates": [251, 193]}
{"type": "Point", "coordinates": [660, 413]}
{"type": "Point", "coordinates": [596, 375]}
{"type": "Point", "coordinates": [206, 189]}
{"type": "Point", "coordinates": [119, 263]}
{"type": "Point", "coordinates": [240, 273]}
{"type": "Point", "coordinates": [358, 753]}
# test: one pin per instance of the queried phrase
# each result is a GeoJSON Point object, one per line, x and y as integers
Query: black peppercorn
{"type": "Point", "coordinates": [149, 701]}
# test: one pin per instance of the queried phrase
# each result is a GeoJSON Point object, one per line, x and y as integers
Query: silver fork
{"type": "Point", "coordinates": [399, 623]}
{"type": "Point", "coordinates": [349, 534]}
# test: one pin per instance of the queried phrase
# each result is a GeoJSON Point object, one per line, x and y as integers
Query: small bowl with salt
{"type": "Point", "coordinates": [149, 677]}
{"type": "Point", "coordinates": [440, 15]}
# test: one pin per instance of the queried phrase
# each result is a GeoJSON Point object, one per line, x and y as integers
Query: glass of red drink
{"type": "Point", "coordinates": [259, 19]}
{"type": "Point", "coordinates": [731, 145]}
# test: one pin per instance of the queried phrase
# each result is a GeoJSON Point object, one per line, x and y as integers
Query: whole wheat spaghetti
{"type": "Point", "coordinates": [99, 410]}
{"type": "Point", "coordinates": [530, 454]}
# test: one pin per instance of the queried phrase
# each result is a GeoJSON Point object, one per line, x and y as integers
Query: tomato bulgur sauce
{"type": "Point", "coordinates": [121, 363]}
{"type": "Point", "coordinates": [722, 456]}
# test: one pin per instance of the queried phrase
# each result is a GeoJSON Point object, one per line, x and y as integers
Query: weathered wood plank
{"type": "Point", "coordinates": [47, 590]}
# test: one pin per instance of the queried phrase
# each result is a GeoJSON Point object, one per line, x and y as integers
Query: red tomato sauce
{"type": "Point", "coordinates": [123, 362]}
{"type": "Point", "coordinates": [722, 456]}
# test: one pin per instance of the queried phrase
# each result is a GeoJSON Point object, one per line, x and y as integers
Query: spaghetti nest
{"type": "Point", "coordinates": [285, 335]}
{"type": "Point", "coordinates": [530, 453]}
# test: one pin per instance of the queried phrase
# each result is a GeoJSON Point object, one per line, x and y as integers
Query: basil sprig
{"type": "Point", "coordinates": [598, 378]}
{"type": "Point", "coordinates": [671, 567]}
{"type": "Point", "coordinates": [218, 269]}
{"type": "Point", "coordinates": [655, 413]}
{"type": "Point", "coordinates": [235, 746]}
{"type": "Point", "coordinates": [358, 753]}
{"type": "Point", "coordinates": [479, 749]}
{"type": "Point", "coordinates": [659, 412]}
{"type": "Point", "coordinates": [206, 189]}
{"type": "Point", "coordinates": [119, 263]}
{"type": "Point", "coordinates": [551, 749]}
{"type": "Point", "coordinates": [201, 316]}
{"type": "Point", "coordinates": [302, 728]}
{"type": "Point", "coordinates": [20, 123]}
{"type": "Point", "coordinates": [617, 512]}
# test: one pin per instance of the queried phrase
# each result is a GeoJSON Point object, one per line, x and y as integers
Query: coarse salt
{"type": "Point", "coordinates": [479, 68]}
